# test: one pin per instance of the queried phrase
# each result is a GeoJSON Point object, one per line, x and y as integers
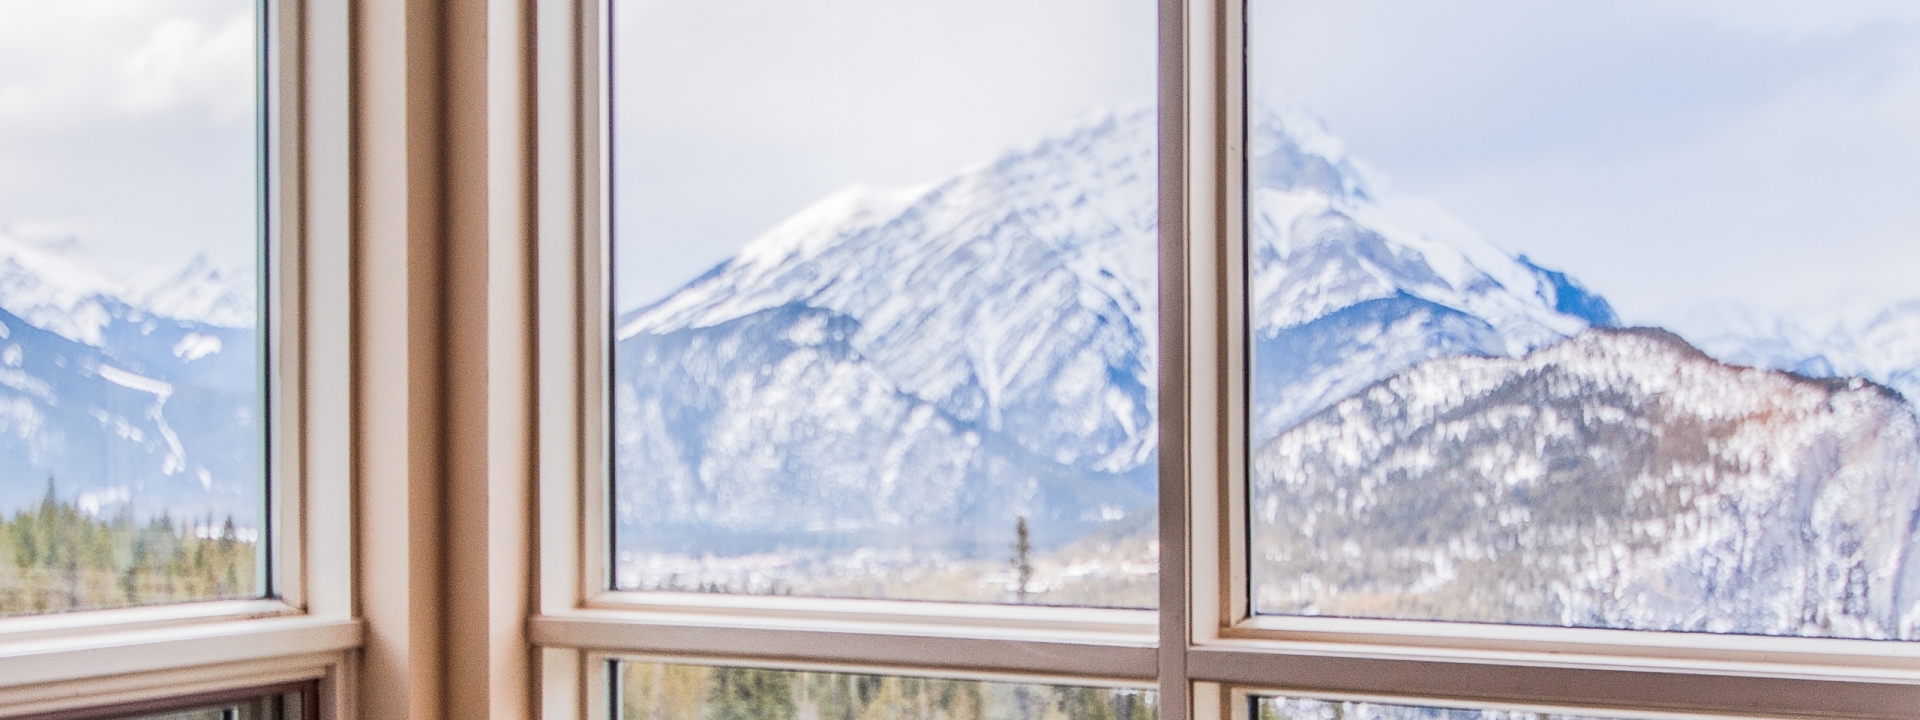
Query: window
{"type": "Point", "coordinates": [130, 220]}
{"type": "Point", "coordinates": [950, 248]}
{"type": "Point", "coordinates": [1649, 391]}
{"type": "Point", "coordinates": [170, 213]}
{"type": "Point", "coordinates": [292, 703]}
{"type": "Point", "coordinates": [1291, 582]}
{"type": "Point", "coordinates": [519, 456]}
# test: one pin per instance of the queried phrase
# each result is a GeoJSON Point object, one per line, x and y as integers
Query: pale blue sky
{"type": "Point", "coordinates": [129, 125]}
{"type": "Point", "coordinates": [1667, 152]}
{"type": "Point", "coordinates": [733, 114]}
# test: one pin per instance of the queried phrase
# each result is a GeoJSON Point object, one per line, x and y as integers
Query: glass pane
{"type": "Point", "coordinates": [885, 283]}
{"type": "Point", "coordinates": [1628, 341]}
{"type": "Point", "coordinates": [130, 382]}
{"type": "Point", "coordinates": [280, 706]}
{"type": "Point", "coordinates": [1280, 708]}
{"type": "Point", "coordinates": [651, 691]}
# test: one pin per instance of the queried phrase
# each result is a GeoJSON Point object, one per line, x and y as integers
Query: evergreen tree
{"type": "Point", "coordinates": [65, 559]}
{"type": "Point", "coordinates": [1022, 558]}
{"type": "Point", "coordinates": [750, 694]}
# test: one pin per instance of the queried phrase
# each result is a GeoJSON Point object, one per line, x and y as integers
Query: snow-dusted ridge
{"type": "Point", "coordinates": [52, 285]}
{"type": "Point", "coordinates": [141, 393]}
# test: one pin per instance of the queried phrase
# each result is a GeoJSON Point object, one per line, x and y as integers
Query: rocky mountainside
{"type": "Point", "coordinates": [1352, 283]}
{"type": "Point", "coordinates": [1619, 479]}
{"type": "Point", "coordinates": [914, 368]}
{"type": "Point", "coordinates": [145, 398]}
{"type": "Point", "coordinates": [935, 362]}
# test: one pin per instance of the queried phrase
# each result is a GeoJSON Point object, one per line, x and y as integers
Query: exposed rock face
{"type": "Point", "coordinates": [909, 369]}
{"type": "Point", "coordinates": [1618, 479]}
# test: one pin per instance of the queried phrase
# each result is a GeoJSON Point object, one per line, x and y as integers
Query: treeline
{"type": "Point", "coordinates": [651, 691]}
{"type": "Point", "coordinates": [54, 557]}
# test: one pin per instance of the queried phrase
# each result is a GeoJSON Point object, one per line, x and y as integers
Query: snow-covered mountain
{"type": "Point", "coordinates": [1432, 416]}
{"type": "Point", "coordinates": [918, 367]}
{"type": "Point", "coordinates": [1352, 283]}
{"type": "Point", "coordinates": [935, 362]}
{"type": "Point", "coordinates": [1620, 479]}
{"type": "Point", "coordinates": [145, 395]}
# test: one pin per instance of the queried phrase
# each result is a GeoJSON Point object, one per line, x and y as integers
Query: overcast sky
{"type": "Point", "coordinates": [129, 125]}
{"type": "Point", "coordinates": [731, 115]}
{"type": "Point", "coordinates": [1666, 152]}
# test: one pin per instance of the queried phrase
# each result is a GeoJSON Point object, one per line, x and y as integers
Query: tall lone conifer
{"type": "Point", "coordinates": [1022, 559]}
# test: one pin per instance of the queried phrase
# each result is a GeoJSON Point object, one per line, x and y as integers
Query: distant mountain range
{"type": "Point", "coordinates": [919, 368]}
{"type": "Point", "coordinates": [1446, 433]}
{"type": "Point", "coordinates": [142, 394]}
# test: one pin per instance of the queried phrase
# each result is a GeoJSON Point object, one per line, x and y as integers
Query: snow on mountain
{"type": "Point", "coordinates": [200, 292]}
{"type": "Point", "coordinates": [1352, 282]}
{"type": "Point", "coordinates": [53, 286]}
{"type": "Point", "coordinates": [1876, 341]}
{"type": "Point", "coordinates": [142, 393]}
{"type": "Point", "coordinates": [1620, 479]}
{"type": "Point", "coordinates": [954, 355]}
{"type": "Point", "coordinates": [50, 286]}
{"type": "Point", "coordinates": [932, 362]}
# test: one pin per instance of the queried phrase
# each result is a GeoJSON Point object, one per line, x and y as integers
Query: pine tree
{"type": "Point", "coordinates": [1022, 559]}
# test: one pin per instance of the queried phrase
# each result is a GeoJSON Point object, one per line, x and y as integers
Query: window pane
{"type": "Point", "coordinates": [130, 382]}
{"type": "Point", "coordinates": [278, 706]}
{"type": "Point", "coordinates": [1628, 341]}
{"type": "Point", "coordinates": [1280, 708]}
{"type": "Point", "coordinates": [650, 691]}
{"type": "Point", "coordinates": [885, 283]}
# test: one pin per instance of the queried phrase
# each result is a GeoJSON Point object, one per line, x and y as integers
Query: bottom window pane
{"type": "Point", "coordinates": [294, 704]}
{"type": "Point", "coordinates": [1285, 708]}
{"type": "Point", "coordinates": [656, 691]}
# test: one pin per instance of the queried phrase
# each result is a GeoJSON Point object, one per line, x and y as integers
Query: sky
{"type": "Point", "coordinates": [1668, 153]}
{"type": "Point", "coordinates": [129, 127]}
{"type": "Point", "coordinates": [731, 115]}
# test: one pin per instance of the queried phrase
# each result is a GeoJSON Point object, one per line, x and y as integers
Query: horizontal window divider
{"type": "Point", "coordinates": [1095, 621]}
{"type": "Point", "coordinates": [1551, 679]}
{"type": "Point", "coordinates": [155, 649]}
{"type": "Point", "coordinates": [933, 647]}
{"type": "Point", "coordinates": [89, 622]}
{"type": "Point", "coordinates": [1773, 655]}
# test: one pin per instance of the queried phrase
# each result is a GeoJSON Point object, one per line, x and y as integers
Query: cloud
{"type": "Point", "coordinates": [100, 61]}
{"type": "Point", "coordinates": [129, 125]}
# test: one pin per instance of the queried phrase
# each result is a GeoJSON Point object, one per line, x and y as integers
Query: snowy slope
{"type": "Point", "coordinates": [1352, 282]}
{"type": "Point", "coordinates": [931, 362]}
{"type": "Point", "coordinates": [144, 395]}
{"type": "Point", "coordinates": [1620, 479]}
{"type": "Point", "coordinates": [938, 360]}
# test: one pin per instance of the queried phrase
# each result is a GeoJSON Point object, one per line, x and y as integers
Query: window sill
{"type": "Point", "coordinates": [123, 651]}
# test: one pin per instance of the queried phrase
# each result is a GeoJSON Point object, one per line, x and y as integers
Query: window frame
{"type": "Point", "coordinates": [1202, 648]}
{"type": "Point", "coordinates": [303, 629]}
